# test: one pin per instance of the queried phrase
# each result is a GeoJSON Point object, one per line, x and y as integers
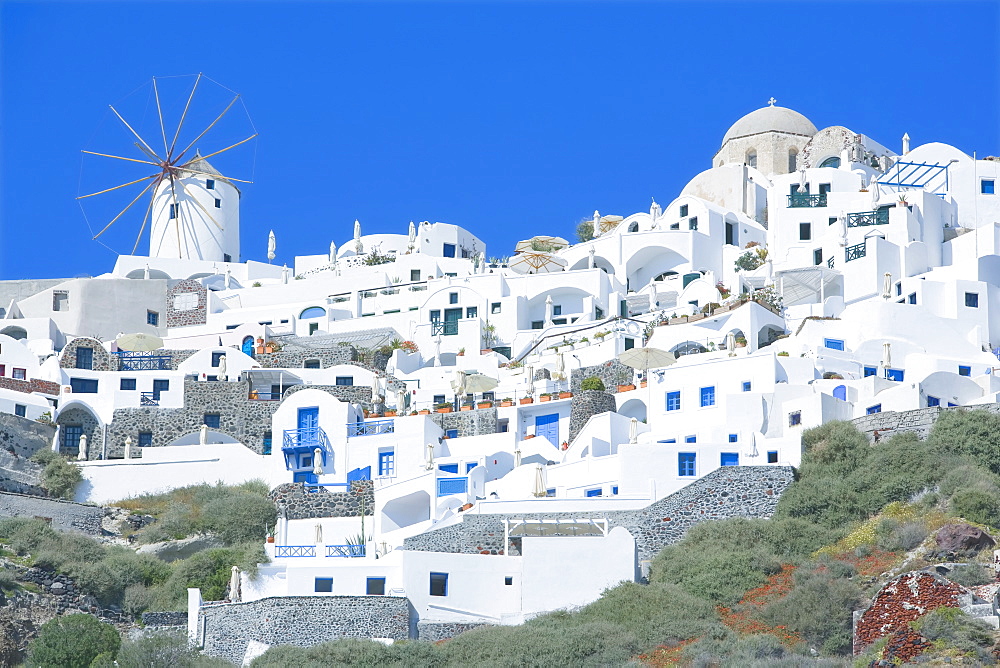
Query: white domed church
{"type": "Point", "coordinates": [768, 139]}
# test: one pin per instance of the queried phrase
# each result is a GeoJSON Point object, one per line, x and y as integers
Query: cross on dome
{"type": "Point", "coordinates": [771, 102]}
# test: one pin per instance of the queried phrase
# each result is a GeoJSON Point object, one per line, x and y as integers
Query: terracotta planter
{"type": "Point", "coordinates": [545, 397]}
{"type": "Point", "coordinates": [483, 351]}
{"type": "Point", "coordinates": [423, 412]}
{"type": "Point", "coordinates": [484, 404]}
{"type": "Point", "coordinates": [505, 404]}
{"type": "Point", "coordinates": [643, 384]}
{"type": "Point", "coordinates": [625, 388]}
{"type": "Point", "coordinates": [269, 349]}
{"type": "Point", "coordinates": [260, 350]}
{"type": "Point", "coordinates": [466, 408]}
{"type": "Point", "coordinates": [527, 401]}
{"type": "Point", "coordinates": [374, 415]}
{"type": "Point", "coordinates": [527, 436]}
{"type": "Point", "coordinates": [270, 539]}
{"type": "Point", "coordinates": [390, 413]}
{"type": "Point", "coordinates": [444, 410]}
{"type": "Point", "coordinates": [565, 395]}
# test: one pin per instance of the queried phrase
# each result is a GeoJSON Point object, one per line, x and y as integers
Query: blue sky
{"type": "Point", "coordinates": [510, 119]}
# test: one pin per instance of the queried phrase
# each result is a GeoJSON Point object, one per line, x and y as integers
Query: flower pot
{"type": "Point", "coordinates": [565, 395]}
{"type": "Point", "coordinates": [260, 350]}
{"type": "Point", "coordinates": [444, 410]}
{"type": "Point", "coordinates": [374, 415]}
{"type": "Point", "coordinates": [466, 408]}
{"type": "Point", "coordinates": [527, 401]}
{"type": "Point", "coordinates": [423, 411]}
{"type": "Point", "coordinates": [270, 539]}
{"type": "Point", "coordinates": [390, 413]}
{"type": "Point", "coordinates": [269, 349]}
{"type": "Point", "coordinates": [625, 388]}
{"type": "Point", "coordinates": [483, 351]}
{"type": "Point", "coordinates": [527, 436]}
{"type": "Point", "coordinates": [545, 398]}
{"type": "Point", "coordinates": [644, 383]}
{"type": "Point", "coordinates": [505, 404]}
{"type": "Point", "coordinates": [484, 404]}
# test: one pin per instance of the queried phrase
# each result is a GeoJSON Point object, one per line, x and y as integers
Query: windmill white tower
{"type": "Point", "coordinates": [197, 217]}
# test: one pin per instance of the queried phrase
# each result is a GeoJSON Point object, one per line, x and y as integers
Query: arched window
{"type": "Point", "coordinates": [793, 154]}
{"type": "Point", "coordinates": [15, 333]}
{"type": "Point", "coordinates": [831, 162]}
{"type": "Point", "coordinates": [840, 392]}
{"type": "Point", "coordinates": [312, 312]}
{"type": "Point", "coordinates": [634, 227]}
{"type": "Point", "coordinates": [752, 158]}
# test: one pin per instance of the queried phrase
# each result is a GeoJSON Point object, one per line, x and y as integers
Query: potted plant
{"type": "Point", "coordinates": [584, 342]}
{"type": "Point", "coordinates": [544, 396]}
{"type": "Point", "coordinates": [485, 404]}
{"type": "Point", "coordinates": [565, 395]}
{"type": "Point", "coordinates": [390, 412]}
{"type": "Point", "coordinates": [443, 407]}
{"type": "Point", "coordinates": [626, 387]}
{"type": "Point", "coordinates": [643, 383]}
{"type": "Point", "coordinates": [415, 412]}
{"type": "Point", "coordinates": [424, 411]}
{"type": "Point", "coordinates": [600, 336]}
{"type": "Point", "coordinates": [592, 383]}
{"type": "Point", "coordinates": [461, 352]}
{"type": "Point", "coordinates": [504, 403]}
{"type": "Point", "coordinates": [902, 200]}
{"type": "Point", "coordinates": [467, 406]}
{"type": "Point", "coordinates": [526, 399]}
{"type": "Point", "coordinates": [783, 353]}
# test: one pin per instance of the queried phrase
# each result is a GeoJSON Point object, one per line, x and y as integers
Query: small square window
{"type": "Point", "coordinates": [894, 374]}
{"type": "Point", "coordinates": [707, 396]}
{"type": "Point", "coordinates": [614, 490]}
{"type": "Point", "coordinates": [537, 324]}
{"type": "Point", "coordinates": [691, 439]}
{"type": "Point", "coordinates": [831, 220]}
{"type": "Point", "coordinates": [152, 318]}
{"type": "Point", "coordinates": [899, 288]}
{"type": "Point", "coordinates": [212, 420]}
{"type": "Point", "coordinates": [313, 328]}
{"type": "Point", "coordinates": [833, 344]}
{"type": "Point", "coordinates": [311, 364]}
{"type": "Point", "coordinates": [684, 210]}
{"type": "Point", "coordinates": [218, 203]}
{"type": "Point", "coordinates": [439, 584]}
{"type": "Point", "coordinates": [933, 401]}
{"type": "Point", "coordinates": [451, 433]}
{"type": "Point", "coordinates": [323, 585]}
{"type": "Point", "coordinates": [818, 256]}
{"type": "Point", "coordinates": [972, 299]}
{"type": "Point", "coordinates": [209, 184]}
{"type": "Point", "coordinates": [747, 385]}
{"type": "Point", "coordinates": [387, 462]}
{"type": "Point", "coordinates": [870, 371]}
{"type": "Point", "coordinates": [693, 223]}
{"type": "Point", "coordinates": [805, 231]}
{"type": "Point", "coordinates": [592, 492]}
{"type": "Point", "coordinates": [347, 381]}
{"type": "Point", "coordinates": [414, 274]}
{"type": "Point", "coordinates": [987, 186]}
{"type": "Point", "coordinates": [508, 581]}
{"type": "Point", "coordinates": [795, 419]}
{"type": "Point", "coordinates": [471, 311]}
{"type": "Point", "coordinates": [438, 399]}
{"type": "Point", "coordinates": [145, 439]}
{"type": "Point", "coordinates": [772, 456]}
{"type": "Point", "coordinates": [217, 358]}
{"type": "Point", "coordinates": [962, 370]}
{"type": "Point", "coordinates": [495, 307]}
{"type": "Point", "coordinates": [556, 309]}
{"type": "Point", "coordinates": [452, 297]}
{"type": "Point", "coordinates": [912, 298]}
{"type": "Point", "coordinates": [733, 438]}
{"type": "Point", "coordinates": [127, 384]}
{"type": "Point", "coordinates": [872, 410]}
{"type": "Point", "coordinates": [20, 410]}
{"type": "Point", "coordinates": [375, 587]}
{"type": "Point", "coordinates": [22, 374]}
{"type": "Point", "coordinates": [448, 250]}
{"type": "Point", "coordinates": [686, 463]}
{"type": "Point", "coordinates": [674, 401]}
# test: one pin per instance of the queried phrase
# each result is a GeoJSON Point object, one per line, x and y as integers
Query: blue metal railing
{"type": "Point", "coordinates": [149, 398]}
{"type": "Point", "coordinates": [806, 201]}
{"type": "Point", "coordinates": [345, 550]}
{"type": "Point", "coordinates": [446, 328]}
{"type": "Point", "coordinates": [854, 252]}
{"type": "Point", "coordinates": [312, 437]}
{"type": "Point", "coordinates": [865, 218]}
{"type": "Point", "coordinates": [371, 428]}
{"type": "Point", "coordinates": [283, 551]}
{"type": "Point", "coordinates": [829, 262]}
{"type": "Point", "coordinates": [139, 361]}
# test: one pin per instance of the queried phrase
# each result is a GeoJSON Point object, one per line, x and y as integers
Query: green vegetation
{"type": "Point", "coordinates": [72, 641]}
{"type": "Point", "coordinates": [585, 230]}
{"type": "Point", "coordinates": [59, 477]}
{"type": "Point", "coordinates": [592, 383]}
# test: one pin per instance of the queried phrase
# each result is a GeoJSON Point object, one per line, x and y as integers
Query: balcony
{"type": "Point", "coordinates": [806, 201]}
{"type": "Point", "coordinates": [349, 551]}
{"type": "Point", "coordinates": [285, 551]}
{"type": "Point", "coordinates": [298, 442]}
{"type": "Point", "coordinates": [142, 361]}
{"type": "Point", "coordinates": [445, 328]}
{"type": "Point", "coordinates": [854, 252]}
{"type": "Point", "coordinates": [371, 428]}
{"type": "Point", "coordinates": [866, 218]}
{"type": "Point", "coordinates": [149, 398]}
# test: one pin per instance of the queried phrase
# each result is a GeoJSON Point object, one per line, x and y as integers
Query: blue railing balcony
{"type": "Point", "coordinates": [285, 551]}
{"type": "Point", "coordinates": [305, 439]}
{"type": "Point", "coordinates": [371, 428]}
{"type": "Point", "coordinates": [806, 201]}
{"type": "Point", "coordinates": [142, 361]}
{"type": "Point", "coordinates": [446, 328]}
{"type": "Point", "coordinates": [345, 550]}
{"type": "Point", "coordinates": [854, 252]}
{"type": "Point", "coordinates": [149, 398]}
{"type": "Point", "coordinates": [866, 218]}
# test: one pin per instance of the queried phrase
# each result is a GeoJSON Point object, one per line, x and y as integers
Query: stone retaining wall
{"type": "Point", "coordinates": [300, 620]}
{"type": "Point", "coordinates": [164, 619]}
{"type": "Point", "coordinates": [64, 515]}
{"type": "Point", "coordinates": [729, 491]}
{"type": "Point", "coordinates": [20, 438]}
{"type": "Point", "coordinates": [613, 373]}
{"type": "Point", "coordinates": [302, 505]}
{"type": "Point", "coordinates": [880, 426]}
{"type": "Point", "coordinates": [476, 422]}
{"type": "Point", "coordinates": [354, 394]}
{"type": "Point", "coordinates": [294, 357]}
{"type": "Point", "coordinates": [30, 386]}
{"type": "Point", "coordinates": [434, 631]}
{"type": "Point", "coordinates": [585, 405]}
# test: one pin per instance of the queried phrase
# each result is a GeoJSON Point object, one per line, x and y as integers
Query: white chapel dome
{"type": "Point", "coordinates": [771, 119]}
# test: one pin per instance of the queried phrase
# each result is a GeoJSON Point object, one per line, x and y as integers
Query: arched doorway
{"type": "Point", "coordinates": [247, 346]}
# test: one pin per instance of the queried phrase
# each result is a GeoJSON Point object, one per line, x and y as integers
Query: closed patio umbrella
{"type": "Point", "coordinates": [235, 595]}
{"type": "Point", "coordinates": [887, 286]}
{"type": "Point", "coordinates": [886, 354]}
{"type": "Point", "coordinates": [430, 457]}
{"type": "Point", "coordinates": [517, 457]}
{"type": "Point", "coordinates": [538, 490]}
{"type": "Point", "coordinates": [272, 246]}
{"type": "Point", "coordinates": [223, 367]}
{"type": "Point", "coordinates": [633, 430]}
{"type": "Point", "coordinates": [731, 343]}
{"type": "Point", "coordinates": [317, 461]}
{"type": "Point", "coordinates": [319, 533]}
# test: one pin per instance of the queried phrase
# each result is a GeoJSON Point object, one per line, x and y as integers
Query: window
{"type": "Point", "coordinates": [972, 299]}
{"type": "Point", "coordinates": [448, 250]}
{"type": "Point", "coordinates": [495, 307]}
{"type": "Point", "coordinates": [674, 401]}
{"type": "Point", "coordinates": [772, 456]}
{"type": "Point", "coordinates": [439, 584]}
{"type": "Point", "coordinates": [833, 344]}
{"type": "Point", "coordinates": [870, 371]}
{"type": "Point", "coordinates": [212, 420]}
{"type": "Point", "coordinates": [314, 327]}
{"type": "Point", "coordinates": [375, 587]}
{"type": "Point", "coordinates": [438, 399]}
{"type": "Point", "coordinates": [795, 419]}
{"type": "Point", "coordinates": [470, 465]}
{"type": "Point", "coordinates": [172, 212]}
{"type": "Point", "coordinates": [471, 312]}
{"type": "Point", "coordinates": [20, 410]}
{"type": "Point", "coordinates": [216, 358]}
{"type": "Point", "coordinates": [82, 385]}
{"type": "Point", "coordinates": [127, 384]}
{"type": "Point", "coordinates": [669, 440]}
{"type": "Point", "coordinates": [508, 580]}
{"type": "Point", "coordinates": [899, 288]}
{"type": "Point", "coordinates": [218, 203]}
{"type": "Point", "coordinates": [831, 162]}
{"type": "Point", "coordinates": [733, 438]}
{"type": "Point", "coordinates": [818, 256]}
{"type": "Point", "coordinates": [831, 220]}
{"type": "Point", "coordinates": [187, 301]}
{"type": "Point", "coordinates": [685, 463]}
{"type": "Point", "coordinates": [3, 370]}
{"type": "Point", "coordinates": [22, 374]}
{"type": "Point", "coordinates": [452, 297]}
{"type": "Point", "coordinates": [160, 386]}
{"type": "Point", "coordinates": [871, 410]}
{"type": "Point", "coordinates": [752, 158]}
{"type": "Point", "coordinates": [729, 459]}
{"type": "Point", "coordinates": [684, 210]}
{"type": "Point", "coordinates": [145, 439]}
{"type": "Point", "coordinates": [387, 462]}
{"type": "Point", "coordinates": [537, 324]}
{"type": "Point", "coordinates": [690, 439]}
{"type": "Point", "coordinates": [824, 188]}
{"type": "Point", "coordinates": [414, 274]}
{"type": "Point", "coordinates": [60, 300]}
{"type": "Point", "coordinates": [72, 434]}
{"type": "Point", "coordinates": [964, 370]}
{"type": "Point", "coordinates": [266, 443]}
{"type": "Point", "coordinates": [933, 401]}
{"type": "Point", "coordinates": [693, 223]}
{"type": "Point", "coordinates": [344, 380]}
{"type": "Point", "coordinates": [707, 396]}
{"type": "Point", "coordinates": [805, 231]}
{"type": "Point", "coordinates": [550, 492]}
{"type": "Point", "coordinates": [226, 257]}
{"type": "Point", "coordinates": [556, 309]}
{"type": "Point", "coordinates": [451, 433]}
{"type": "Point", "coordinates": [311, 364]}
{"type": "Point", "coordinates": [209, 184]}
{"type": "Point", "coordinates": [912, 298]}
{"type": "Point", "coordinates": [747, 385]}
{"type": "Point", "coordinates": [614, 490]}
{"type": "Point", "coordinates": [894, 374]}
{"type": "Point", "coordinates": [305, 462]}
{"type": "Point", "coordinates": [792, 153]}
{"type": "Point", "coordinates": [629, 343]}
{"type": "Point", "coordinates": [592, 492]}
{"type": "Point", "coordinates": [84, 358]}
{"type": "Point", "coordinates": [986, 186]}
{"type": "Point", "coordinates": [323, 585]}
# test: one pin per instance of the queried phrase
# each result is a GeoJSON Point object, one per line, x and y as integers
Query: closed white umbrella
{"type": "Point", "coordinates": [886, 354]}
{"type": "Point", "coordinates": [412, 236]}
{"type": "Point", "coordinates": [437, 350]}
{"type": "Point", "coordinates": [530, 371]}
{"type": "Point", "coordinates": [401, 400]}
{"type": "Point", "coordinates": [517, 456]}
{"type": "Point", "coordinates": [538, 490]}
{"type": "Point", "coordinates": [272, 245]}
{"type": "Point", "coordinates": [560, 372]}
{"type": "Point", "coordinates": [319, 533]}
{"type": "Point", "coordinates": [430, 457]}
{"type": "Point", "coordinates": [377, 397]}
{"type": "Point", "coordinates": [873, 187]}
{"type": "Point", "coordinates": [203, 435]}
{"type": "Point", "coordinates": [333, 252]}
{"type": "Point", "coordinates": [802, 181]}
{"type": "Point", "coordinates": [223, 368]}
{"type": "Point", "coordinates": [633, 430]}
{"type": "Point", "coordinates": [235, 593]}
{"type": "Point", "coordinates": [82, 455]}
{"type": "Point", "coordinates": [731, 342]}
{"type": "Point", "coordinates": [358, 246]}
{"type": "Point", "coordinates": [128, 447]}
{"type": "Point", "coordinates": [887, 286]}
{"type": "Point", "coordinates": [317, 461]}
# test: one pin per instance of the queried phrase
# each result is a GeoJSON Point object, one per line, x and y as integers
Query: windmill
{"type": "Point", "coordinates": [191, 206]}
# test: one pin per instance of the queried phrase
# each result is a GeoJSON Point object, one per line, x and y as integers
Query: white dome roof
{"type": "Point", "coordinates": [771, 119]}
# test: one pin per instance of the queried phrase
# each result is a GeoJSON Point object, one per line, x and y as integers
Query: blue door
{"type": "Point", "coordinates": [360, 474]}
{"type": "Point", "coordinates": [840, 392]}
{"type": "Point", "coordinates": [248, 346]}
{"type": "Point", "coordinates": [730, 459]}
{"type": "Point", "coordinates": [547, 426]}
{"type": "Point", "coordinates": [308, 425]}
{"type": "Point", "coordinates": [160, 386]}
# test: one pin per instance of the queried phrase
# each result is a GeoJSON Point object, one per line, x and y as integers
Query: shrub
{"type": "Point", "coordinates": [975, 434]}
{"type": "Point", "coordinates": [585, 230]}
{"type": "Point", "coordinates": [592, 383]}
{"type": "Point", "coordinates": [240, 518]}
{"type": "Point", "coordinates": [167, 649]}
{"type": "Point", "coordinates": [952, 627]}
{"type": "Point", "coordinates": [971, 575]}
{"type": "Point", "coordinates": [72, 641]}
{"type": "Point", "coordinates": [976, 505]}
{"type": "Point", "coordinates": [60, 477]}
{"type": "Point", "coordinates": [209, 570]}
